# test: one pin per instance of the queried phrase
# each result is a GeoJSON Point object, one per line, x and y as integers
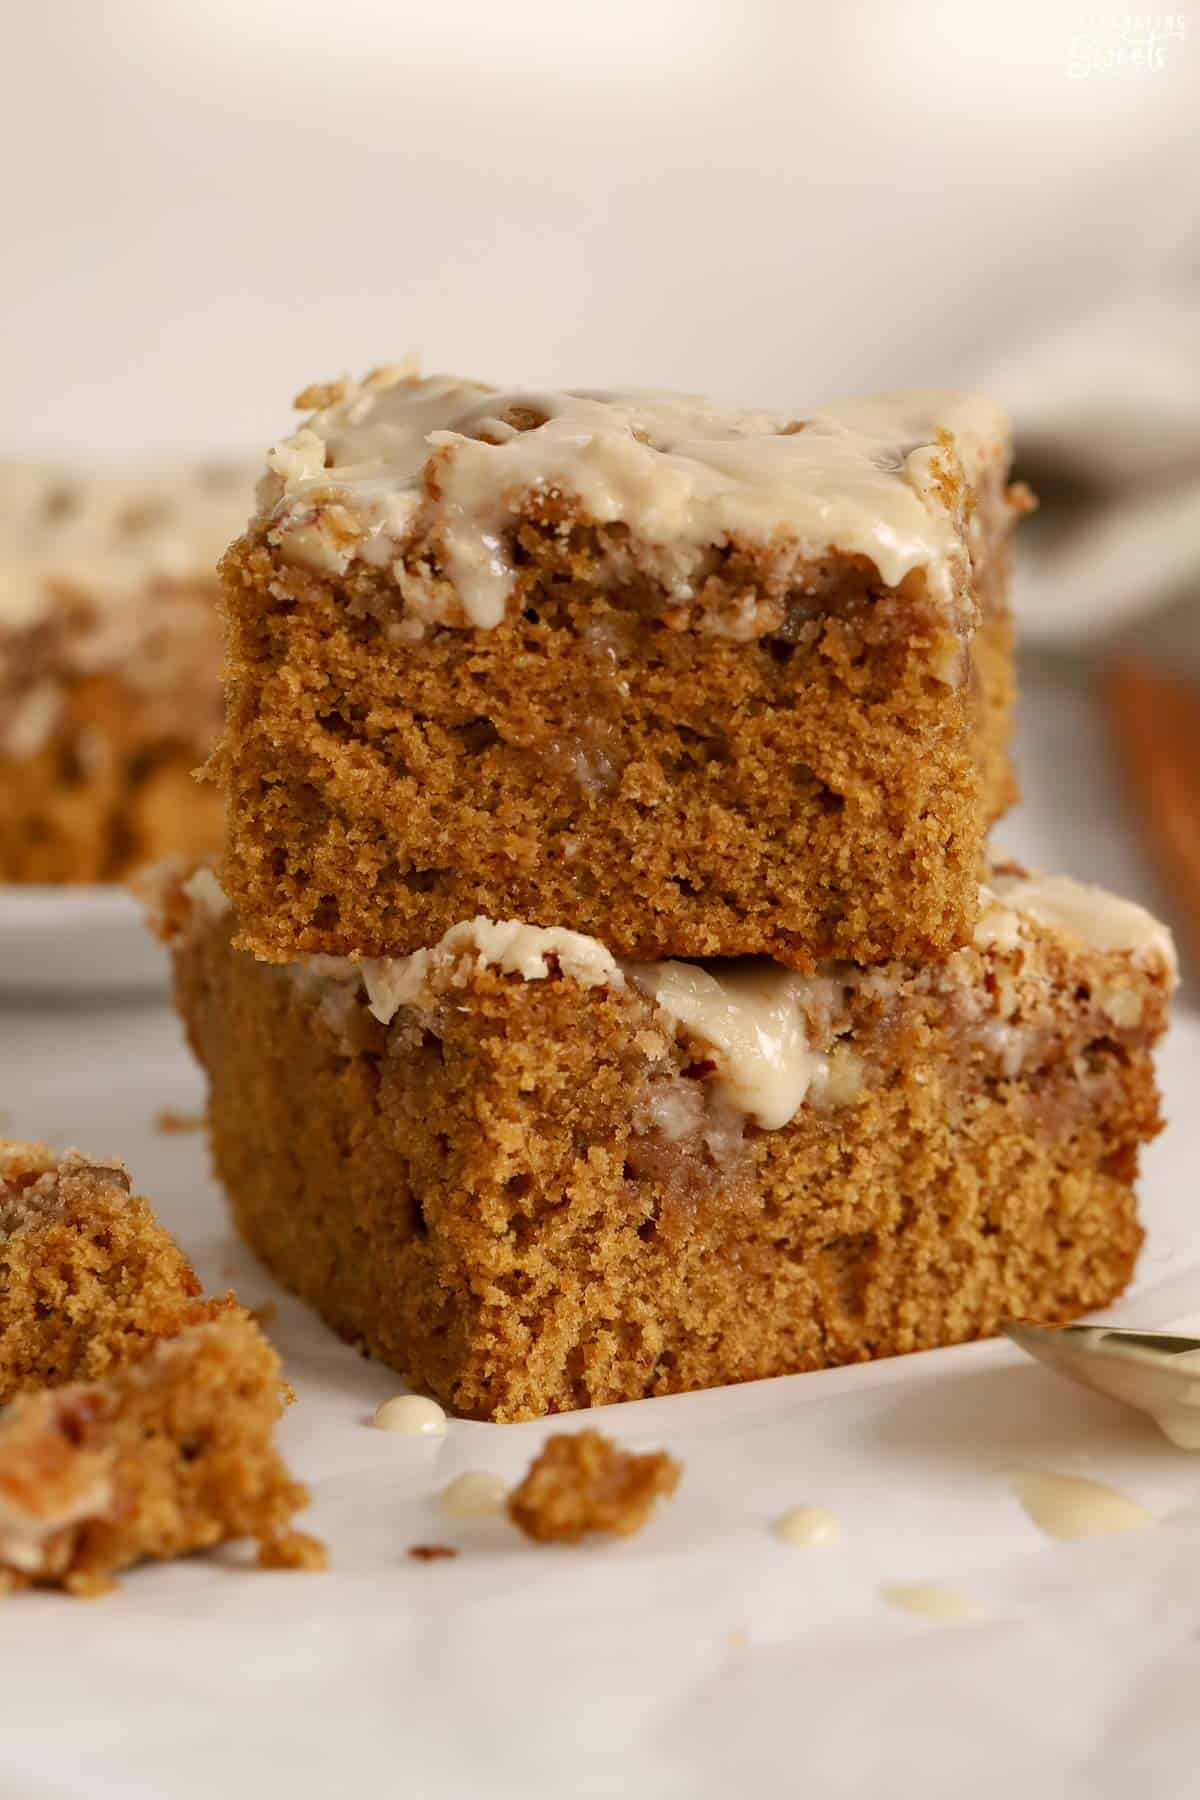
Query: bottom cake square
{"type": "Point", "coordinates": [532, 1178]}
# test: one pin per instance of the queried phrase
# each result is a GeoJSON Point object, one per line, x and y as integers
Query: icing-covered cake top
{"type": "Point", "coordinates": [394, 468]}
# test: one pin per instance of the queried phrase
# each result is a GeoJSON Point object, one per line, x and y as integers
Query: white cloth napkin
{"type": "Point", "coordinates": [1107, 419]}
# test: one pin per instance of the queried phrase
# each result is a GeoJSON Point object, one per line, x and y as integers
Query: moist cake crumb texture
{"type": "Point", "coordinates": [531, 1192]}
{"type": "Point", "coordinates": [605, 990]}
{"type": "Point", "coordinates": [690, 680]}
{"type": "Point", "coordinates": [581, 1482]}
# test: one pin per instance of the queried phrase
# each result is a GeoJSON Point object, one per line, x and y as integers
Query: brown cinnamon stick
{"type": "Point", "coordinates": [1157, 722]}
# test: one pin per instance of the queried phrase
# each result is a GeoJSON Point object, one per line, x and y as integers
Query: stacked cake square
{"type": "Point", "coordinates": [605, 990]}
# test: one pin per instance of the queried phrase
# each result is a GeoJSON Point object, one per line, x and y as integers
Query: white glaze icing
{"type": "Point", "coordinates": [81, 1487]}
{"type": "Point", "coordinates": [206, 893]}
{"type": "Point", "coordinates": [759, 1020]}
{"type": "Point", "coordinates": [1070, 1506]}
{"type": "Point", "coordinates": [930, 1600]}
{"type": "Point", "coordinates": [32, 719]}
{"type": "Point", "coordinates": [863, 477]}
{"type": "Point", "coordinates": [509, 945]}
{"type": "Point", "coordinates": [411, 1415]}
{"type": "Point", "coordinates": [24, 1534]}
{"type": "Point", "coordinates": [1089, 915]}
{"type": "Point", "coordinates": [678, 1109]}
{"type": "Point", "coordinates": [477, 1494]}
{"type": "Point", "coordinates": [25, 1198]}
{"type": "Point", "coordinates": [808, 1527]}
{"type": "Point", "coordinates": [754, 1015]}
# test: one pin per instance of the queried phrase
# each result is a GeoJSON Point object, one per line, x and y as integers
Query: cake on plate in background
{"type": "Point", "coordinates": [110, 662]}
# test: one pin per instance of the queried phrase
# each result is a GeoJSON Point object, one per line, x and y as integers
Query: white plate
{"type": "Point", "coordinates": [60, 940]}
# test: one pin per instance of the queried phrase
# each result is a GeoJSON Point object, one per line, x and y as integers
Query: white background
{"type": "Point", "coordinates": [209, 203]}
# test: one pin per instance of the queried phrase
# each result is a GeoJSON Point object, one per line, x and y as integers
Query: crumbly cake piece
{"type": "Point", "coordinates": [581, 1481]}
{"type": "Point", "coordinates": [110, 655]}
{"type": "Point", "coordinates": [166, 1455]}
{"type": "Point", "coordinates": [88, 1277]}
{"type": "Point", "coordinates": [533, 1178]}
{"type": "Point", "coordinates": [694, 680]}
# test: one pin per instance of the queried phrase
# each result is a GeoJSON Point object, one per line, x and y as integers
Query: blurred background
{"type": "Point", "coordinates": [210, 205]}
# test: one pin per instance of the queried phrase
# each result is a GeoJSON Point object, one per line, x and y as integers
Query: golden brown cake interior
{"type": "Point", "coordinates": [735, 804]}
{"type": "Point", "coordinates": [683, 745]}
{"type": "Point", "coordinates": [88, 1277]}
{"type": "Point", "coordinates": [530, 1195]}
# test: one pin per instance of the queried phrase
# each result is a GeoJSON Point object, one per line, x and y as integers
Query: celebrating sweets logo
{"type": "Point", "coordinates": [1123, 44]}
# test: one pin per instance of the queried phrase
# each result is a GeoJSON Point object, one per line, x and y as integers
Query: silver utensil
{"type": "Point", "coordinates": [1156, 1371]}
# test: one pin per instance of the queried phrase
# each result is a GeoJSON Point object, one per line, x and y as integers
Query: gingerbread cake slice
{"type": "Point", "coordinates": [166, 1455]}
{"type": "Point", "coordinates": [533, 1176]}
{"type": "Point", "coordinates": [110, 658]}
{"type": "Point", "coordinates": [88, 1277]}
{"type": "Point", "coordinates": [692, 679]}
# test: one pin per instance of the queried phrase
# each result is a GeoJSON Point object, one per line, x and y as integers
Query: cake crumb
{"type": "Point", "coordinates": [137, 1418]}
{"type": "Point", "coordinates": [431, 1552]}
{"type": "Point", "coordinates": [293, 1550]}
{"type": "Point", "coordinates": [89, 1279]}
{"type": "Point", "coordinates": [581, 1481]}
{"type": "Point", "coordinates": [170, 1122]}
{"type": "Point", "coordinates": [89, 1587]}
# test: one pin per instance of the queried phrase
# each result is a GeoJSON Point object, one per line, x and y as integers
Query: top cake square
{"type": "Point", "coordinates": [696, 680]}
